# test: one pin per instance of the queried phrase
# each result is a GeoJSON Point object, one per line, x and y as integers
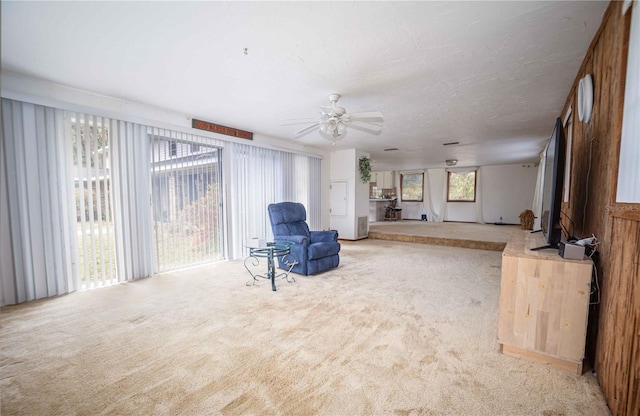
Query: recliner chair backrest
{"type": "Point", "coordinates": [288, 218]}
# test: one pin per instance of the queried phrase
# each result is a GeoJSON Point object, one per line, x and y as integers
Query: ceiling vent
{"type": "Point", "coordinates": [450, 143]}
{"type": "Point", "coordinates": [391, 149]}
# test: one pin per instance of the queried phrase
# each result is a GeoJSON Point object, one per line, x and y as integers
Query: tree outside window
{"type": "Point", "coordinates": [461, 187]}
{"type": "Point", "coordinates": [411, 186]}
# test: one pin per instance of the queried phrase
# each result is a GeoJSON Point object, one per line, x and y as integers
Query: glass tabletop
{"type": "Point", "coordinates": [270, 248]}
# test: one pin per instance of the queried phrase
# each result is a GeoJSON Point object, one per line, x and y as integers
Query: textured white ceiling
{"type": "Point", "coordinates": [491, 75]}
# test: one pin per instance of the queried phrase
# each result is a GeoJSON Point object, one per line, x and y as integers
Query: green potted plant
{"type": "Point", "coordinates": [364, 164]}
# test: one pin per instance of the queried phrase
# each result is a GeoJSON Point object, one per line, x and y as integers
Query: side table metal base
{"type": "Point", "coordinates": [269, 252]}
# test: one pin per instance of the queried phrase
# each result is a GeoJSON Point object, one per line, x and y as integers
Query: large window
{"type": "Point", "coordinates": [94, 205]}
{"type": "Point", "coordinates": [411, 186]}
{"type": "Point", "coordinates": [186, 179]}
{"type": "Point", "coordinates": [628, 189]}
{"type": "Point", "coordinates": [461, 187]}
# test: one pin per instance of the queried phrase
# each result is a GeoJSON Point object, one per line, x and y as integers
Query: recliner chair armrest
{"type": "Point", "coordinates": [297, 239]}
{"type": "Point", "coordinates": [323, 236]}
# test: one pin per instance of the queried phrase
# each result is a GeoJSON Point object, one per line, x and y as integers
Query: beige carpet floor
{"type": "Point", "coordinates": [398, 328]}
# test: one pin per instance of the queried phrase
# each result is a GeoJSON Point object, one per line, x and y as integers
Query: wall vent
{"type": "Point", "coordinates": [363, 227]}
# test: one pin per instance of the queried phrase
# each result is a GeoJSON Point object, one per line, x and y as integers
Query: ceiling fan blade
{"type": "Point", "coordinates": [367, 115]}
{"type": "Point", "coordinates": [293, 122]}
{"type": "Point", "coordinates": [308, 129]}
{"type": "Point", "coordinates": [365, 126]}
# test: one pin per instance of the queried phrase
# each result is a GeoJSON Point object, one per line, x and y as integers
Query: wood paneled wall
{"type": "Point", "coordinates": [613, 342]}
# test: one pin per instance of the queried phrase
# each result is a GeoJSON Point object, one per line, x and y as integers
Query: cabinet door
{"type": "Point", "coordinates": [388, 182]}
{"type": "Point", "coordinates": [544, 306]}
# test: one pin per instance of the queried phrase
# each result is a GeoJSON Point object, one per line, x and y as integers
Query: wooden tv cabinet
{"type": "Point", "coordinates": [544, 304]}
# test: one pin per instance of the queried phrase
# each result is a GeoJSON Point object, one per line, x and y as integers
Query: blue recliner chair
{"type": "Point", "coordinates": [315, 251]}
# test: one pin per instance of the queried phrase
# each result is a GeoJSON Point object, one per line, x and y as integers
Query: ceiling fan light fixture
{"type": "Point", "coordinates": [335, 120]}
{"type": "Point", "coordinates": [334, 127]}
{"type": "Point", "coordinates": [451, 162]}
{"type": "Point", "coordinates": [329, 126]}
{"type": "Point", "coordinates": [339, 111]}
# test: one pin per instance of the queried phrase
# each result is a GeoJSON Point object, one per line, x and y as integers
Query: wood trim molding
{"type": "Point", "coordinates": [217, 128]}
{"type": "Point", "coordinates": [629, 212]}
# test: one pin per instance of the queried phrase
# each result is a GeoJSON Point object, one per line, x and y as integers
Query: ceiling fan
{"type": "Point", "coordinates": [334, 121]}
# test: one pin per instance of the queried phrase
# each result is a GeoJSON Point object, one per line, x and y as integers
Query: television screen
{"type": "Point", "coordinates": [552, 187]}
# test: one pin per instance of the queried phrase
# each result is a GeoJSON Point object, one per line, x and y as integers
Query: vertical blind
{"type": "Point", "coordinates": [36, 205]}
{"type": "Point", "coordinates": [187, 200]}
{"type": "Point", "coordinates": [130, 164]}
{"type": "Point", "coordinates": [264, 176]}
{"type": "Point", "coordinates": [81, 196]}
{"type": "Point", "coordinates": [89, 137]}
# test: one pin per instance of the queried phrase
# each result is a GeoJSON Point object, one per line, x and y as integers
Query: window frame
{"type": "Point", "coordinates": [475, 187]}
{"type": "Point", "coordinates": [402, 198]}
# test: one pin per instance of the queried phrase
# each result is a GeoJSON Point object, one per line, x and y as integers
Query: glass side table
{"type": "Point", "coordinates": [270, 252]}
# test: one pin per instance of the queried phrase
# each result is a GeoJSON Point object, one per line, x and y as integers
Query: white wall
{"type": "Point", "coordinates": [461, 212]}
{"type": "Point", "coordinates": [342, 170]}
{"type": "Point", "coordinates": [507, 191]}
{"type": "Point", "coordinates": [362, 192]}
{"type": "Point", "coordinates": [344, 167]}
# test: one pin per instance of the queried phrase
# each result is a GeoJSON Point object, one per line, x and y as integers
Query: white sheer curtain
{"type": "Point", "coordinates": [131, 178]}
{"type": "Point", "coordinates": [428, 199]}
{"type": "Point", "coordinates": [264, 176]}
{"type": "Point", "coordinates": [479, 210]}
{"type": "Point", "coordinates": [439, 198]}
{"type": "Point", "coordinates": [629, 168]}
{"type": "Point", "coordinates": [36, 204]}
{"type": "Point", "coordinates": [538, 195]}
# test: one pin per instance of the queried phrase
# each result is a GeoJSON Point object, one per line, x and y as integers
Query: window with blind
{"type": "Point", "coordinates": [110, 200]}
{"type": "Point", "coordinates": [94, 204]}
{"type": "Point", "coordinates": [186, 202]}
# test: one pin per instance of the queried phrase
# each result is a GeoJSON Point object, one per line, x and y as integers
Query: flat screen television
{"type": "Point", "coordinates": [552, 187]}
